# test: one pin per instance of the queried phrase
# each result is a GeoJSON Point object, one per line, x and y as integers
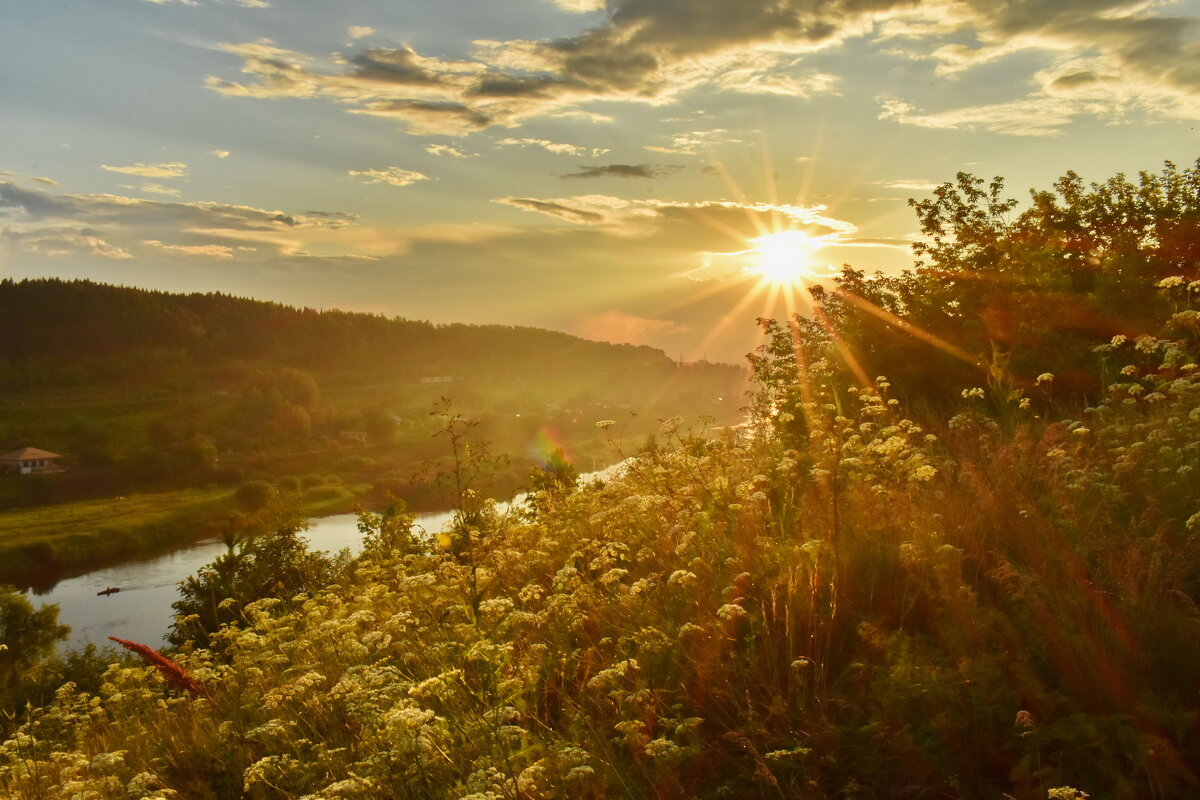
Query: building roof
{"type": "Point", "coordinates": [28, 454]}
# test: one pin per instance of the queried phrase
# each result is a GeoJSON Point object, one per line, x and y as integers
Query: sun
{"type": "Point", "coordinates": [785, 258]}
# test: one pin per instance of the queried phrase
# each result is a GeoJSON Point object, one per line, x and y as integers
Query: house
{"type": "Point", "coordinates": [28, 460]}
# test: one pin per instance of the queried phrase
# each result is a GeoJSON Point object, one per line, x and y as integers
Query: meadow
{"type": "Point", "coordinates": [874, 589]}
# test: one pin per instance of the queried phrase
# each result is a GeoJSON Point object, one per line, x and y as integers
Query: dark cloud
{"type": "Point", "coordinates": [618, 171]}
{"type": "Point", "coordinates": [554, 209]}
{"type": "Point", "coordinates": [399, 66]}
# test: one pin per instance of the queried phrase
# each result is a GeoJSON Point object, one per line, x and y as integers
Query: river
{"type": "Point", "coordinates": [141, 611]}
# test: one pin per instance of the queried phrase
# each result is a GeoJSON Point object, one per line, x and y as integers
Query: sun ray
{"type": "Point", "coordinates": [905, 326]}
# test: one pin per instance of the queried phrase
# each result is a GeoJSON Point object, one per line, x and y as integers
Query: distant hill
{"type": "Point", "coordinates": [57, 334]}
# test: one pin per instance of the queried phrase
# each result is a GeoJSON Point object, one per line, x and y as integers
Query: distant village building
{"type": "Point", "coordinates": [28, 460]}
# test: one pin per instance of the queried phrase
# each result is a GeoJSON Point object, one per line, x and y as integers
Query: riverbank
{"type": "Point", "coordinates": [43, 545]}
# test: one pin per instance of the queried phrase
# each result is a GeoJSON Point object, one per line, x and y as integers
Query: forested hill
{"type": "Point", "coordinates": [65, 334]}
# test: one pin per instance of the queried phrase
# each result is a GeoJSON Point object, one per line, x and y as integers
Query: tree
{"type": "Point", "coordinates": [998, 296]}
{"type": "Point", "coordinates": [273, 564]}
{"type": "Point", "coordinates": [26, 636]}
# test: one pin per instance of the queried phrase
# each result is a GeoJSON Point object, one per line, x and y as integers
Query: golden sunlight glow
{"type": "Point", "coordinates": [785, 258]}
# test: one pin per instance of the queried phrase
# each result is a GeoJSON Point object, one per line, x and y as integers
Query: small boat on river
{"type": "Point", "coordinates": [108, 591]}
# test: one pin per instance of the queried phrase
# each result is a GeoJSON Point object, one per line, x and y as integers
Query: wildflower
{"type": "Point", "coordinates": [1081, 431]}
{"type": "Point", "coordinates": [1171, 282]}
{"type": "Point", "coordinates": [1045, 377]}
{"type": "Point", "coordinates": [663, 750]}
{"type": "Point", "coordinates": [923, 473]}
{"type": "Point", "coordinates": [683, 579]}
{"type": "Point", "coordinates": [1024, 404]}
{"type": "Point", "coordinates": [731, 611]}
{"type": "Point", "coordinates": [975, 392]}
{"type": "Point", "coordinates": [1146, 343]}
{"type": "Point", "coordinates": [605, 424]}
{"type": "Point", "coordinates": [1119, 340]}
{"type": "Point", "coordinates": [1067, 793]}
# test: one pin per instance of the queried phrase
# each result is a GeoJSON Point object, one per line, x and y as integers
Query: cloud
{"type": "Point", "coordinates": [757, 77]}
{"type": "Point", "coordinates": [907, 185]}
{"type": "Point", "coordinates": [219, 153]}
{"type": "Point", "coordinates": [115, 226]}
{"type": "Point", "coordinates": [554, 209]}
{"type": "Point", "coordinates": [618, 171]}
{"type": "Point", "coordinates": [175, 169]}
{"type": "Point", "coordinates": [1107, 59]}
{"type": "Point", "coordinates": [692, 142]}
{"type": "Point", "coordinates": [560, 148]}
{"type": "Point", "coordinates": [359, 31]}
{"type": "Point", "coordinates": [208, 250]}
{"type": "Point", "coordinates": [43, 181]}
{"type": "Point", "coordinates": [448, 150]}
{"type": "Point", "coordinates": [621, 328]}
{"type": "Point", "coordinates": [390, 175]}
{"type": "Point", "coordinates": [155, 188]}
{"type": "Point", "coordinates": [652, 51]}
{"type": "Point", "coordinates": [579, 6]}
{"type": "Point", "coordinates": [643, 51]}
{"type": "Point", "coordinates": [65, 240]}
{"type": "Point", "coordinates": [713, 233]}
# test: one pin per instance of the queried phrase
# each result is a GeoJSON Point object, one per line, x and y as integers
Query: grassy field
{"type": "Point", "coordinates": [41, 545]}
{"type": "Point", "coordinates": [74, 537]}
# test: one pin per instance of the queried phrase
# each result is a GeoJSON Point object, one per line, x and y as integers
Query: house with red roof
{"type": "Point", "coordinates": [28, 460]}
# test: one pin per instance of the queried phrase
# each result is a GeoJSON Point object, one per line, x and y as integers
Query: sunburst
{"type": "Point", "coordinates": [785, 257]}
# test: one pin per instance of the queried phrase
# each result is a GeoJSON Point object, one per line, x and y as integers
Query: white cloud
{"type": "Point", "coordinates": [560, 148]}
{"type": "Point", "coordinates": [448, 150]}
{"type": "Point", "coordinates": [220, 251]}
{"type": "Point", "coordinates": [579, 6]}
{"type": "Point", "coordinates": [360, 31]}
{"type": "Point", "coordinates": [390, 175]}
{"type": "Point", "coordinates": [174, 169]}
{"type": "Point", "coordinates": [693, 142]}
{"type": "Point", "coordinates": [219, 153]}
{"type": "Point", "coordinates": [155, 188]}
{"type": "Point", "coordinates": [907, 184]}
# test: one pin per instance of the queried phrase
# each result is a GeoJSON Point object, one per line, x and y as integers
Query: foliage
{"type": "Point", "coordinates": [998, 297]}
{"type": "Point", "coordinates": [26, 637]}
{"type": "Point", "coordinates": [272, 564]}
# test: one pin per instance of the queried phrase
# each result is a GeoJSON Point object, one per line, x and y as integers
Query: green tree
{"type": "Point", "coordinates": [276, 564]}
{"type": "Point", "coordinates": [26, 636]}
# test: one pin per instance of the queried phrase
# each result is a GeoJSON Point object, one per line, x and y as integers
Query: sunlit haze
{"type": "Point", "coordinates": [624, 171]}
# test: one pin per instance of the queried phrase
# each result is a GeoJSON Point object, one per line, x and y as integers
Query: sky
{"type": "Point", "coordinates": [637, 171]}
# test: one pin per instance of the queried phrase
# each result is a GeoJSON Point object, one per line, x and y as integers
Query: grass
{"type": "Point", "coordinates": [76, 537]}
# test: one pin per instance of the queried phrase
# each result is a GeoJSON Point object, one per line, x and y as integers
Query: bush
{"type": "Point", "coordinates": [254, 496]}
